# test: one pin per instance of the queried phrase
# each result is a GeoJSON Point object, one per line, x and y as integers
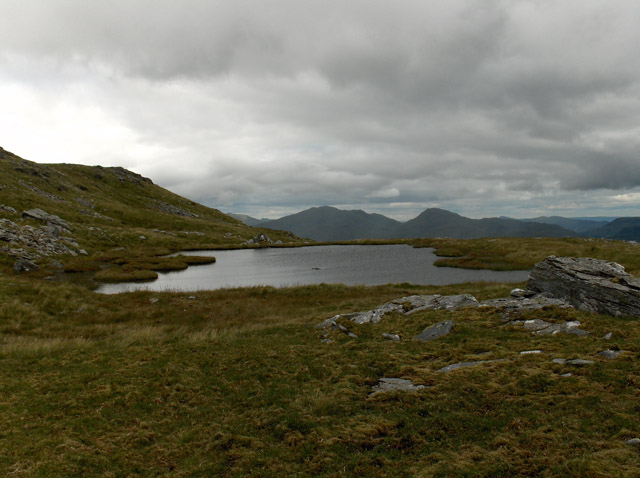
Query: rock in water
{"type": "Point", "coordinates": [591, 285]}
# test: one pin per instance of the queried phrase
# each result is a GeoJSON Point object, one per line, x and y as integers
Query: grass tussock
{"type": "Point", "coordinates": [237, 382]}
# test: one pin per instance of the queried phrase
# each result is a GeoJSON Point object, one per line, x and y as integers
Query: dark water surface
{"type": "Point", "coordinates": [351, 265]}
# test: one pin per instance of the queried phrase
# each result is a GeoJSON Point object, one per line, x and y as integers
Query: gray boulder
{"type": "Point", "coordinates": [24, 265]}
{"type": "Point", "coordinates": [394, 384]}
{"type": "Point", "coordinates": [590, 285]}
{"type": "Point", "coordinates": [435, 331]}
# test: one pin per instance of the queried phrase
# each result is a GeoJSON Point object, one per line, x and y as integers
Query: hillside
{"type": "Point", "coordinates": [440, 223]}
{"type": "Point", "coordinates": [100, 209]}
{"type": "Point", "coordinates": [623, 228]}
{"type": "Point", "coordinates": [581, 226]}
{"type": "Point", "coordinates": [331, 224]}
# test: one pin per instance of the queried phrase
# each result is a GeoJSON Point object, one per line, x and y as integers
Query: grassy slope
{"type": "Point", "coordinates": [238, 383]}
{"type": "Point", "coordinates": [109, 209]}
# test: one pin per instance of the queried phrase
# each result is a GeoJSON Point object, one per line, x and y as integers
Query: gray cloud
{"type": "Point", "coordinates": [252, 106]}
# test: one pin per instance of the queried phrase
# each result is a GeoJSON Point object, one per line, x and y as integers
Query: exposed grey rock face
{"type": "Point", "coordinates": [509, 307]}
{"type": "Point", "coordinates": [393, 384]}
{"type": "Point", "coordinates": [31, 243]}
{"type": "Point", "coordinates": [542, 327]}
{"type": "Point", "coordinates": [416, 303]}
{"type": "Point", "coordinates": [610, 354]}
{"type": "Point", "coordinates": [435, 331]}
{"type": "Point", "coordinates": [24, 265]}
{"type": "Point", "coordinates": [591, 285]}
{"type": "Point", "coordinates": [43, 216]}
{"type": "Point", "coordinates": [406, 305]}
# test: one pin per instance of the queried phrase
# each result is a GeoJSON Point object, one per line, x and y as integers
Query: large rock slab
{"type": "Point", "coordinates": [591, 285]}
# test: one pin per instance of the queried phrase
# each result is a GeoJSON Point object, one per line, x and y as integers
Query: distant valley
{"type": "Point", "coordinates": [328, 223]}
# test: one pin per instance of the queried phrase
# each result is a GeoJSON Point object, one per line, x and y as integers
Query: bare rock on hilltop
{"type": "Point", "coordinates": [590, 285]}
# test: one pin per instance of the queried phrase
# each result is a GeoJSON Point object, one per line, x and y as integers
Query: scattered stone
{"type": "Point", "coordinates": [259, 239]}
{"type": "Point", "coordinates": [568, 374]}
{"type": "Point", "coordinates": [142, 238]}
{"type": "Point", "coordinates": [394, 384]}
{"type": "Point", "coordinates": [192, 297]}
{"type": "Point", "coordinates": [541, 327]}
{"type": "Point", "coordinates": [326, 341]}
{"type": "Point", "coordinates": [435, 331]}
{"type": "Point", "coordinates": [56, 265]}
{"type": "Point", "coordinates": [608, 336]}
{"type": "Point", "coordinates": [559, 361]}
{"type": "Point", "coordinates": [580, 362]}
{"type": "Point", "coordinates": [633, 442]}
{"type": "Point", "coordinates": [7, 208]}
{"type": "Point", "coordinates": [407, 306]}
{"type": "Point", "coordinates": [530, 352]}
{"type": "Point", "coordinates": [394, 337]}
{"type": "Point", "coordinates": [153, 300]}
{"type": "Point", "coordinates": [455, 366]}
{"type": "Point", "coordinates": [24, 265]}
{"type": "Point", "coordinates": [590, 285]}
{"type": "Point", "coordinates": [610, 354]}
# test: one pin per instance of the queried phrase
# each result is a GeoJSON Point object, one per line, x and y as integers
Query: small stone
{"type": "Point", "coordinates": [559, 361]}
{"type": "Point", "coordinates": [192, 297]}
{"type": "Point", "coordinates": [327, 341]}
{"type": "Point", "coordinates": [435, 331]}
{"type": "Point", "coordinates": [153, 300]}
{"type": "Point", "coordinates": [580, 362]}
{"type": "Point", "coordinates": [391, 384]}
{"type": "Point", "coordinates": [610, 354]}
{"type": "Point", "coordinates": [394, 337]}
{"type": "Point", "coordinates": [530, 352]}
{"type": "Point", "coordinates": [142, 238]}
{"type": "Point", "coordinates": [568, 374]}
{"type": "Point", "coordinates": [608, 336]}
{"type": "Point", "coordinates": [633, 442]}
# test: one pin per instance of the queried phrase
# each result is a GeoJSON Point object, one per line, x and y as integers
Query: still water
{"type": "Point", "coordinates": [351, 265]}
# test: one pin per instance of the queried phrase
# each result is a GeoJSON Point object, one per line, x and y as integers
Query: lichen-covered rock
{"type": "Point", "coordinates": [591, 285]}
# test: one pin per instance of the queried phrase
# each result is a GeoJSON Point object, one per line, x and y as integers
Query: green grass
{"type": "Point", "coordinates": [237, 383]}
{"type": "Point", "coordinates": [524, 253]}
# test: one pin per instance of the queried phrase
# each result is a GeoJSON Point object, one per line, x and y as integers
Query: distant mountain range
{"type": "Point", "coordinates": [331, 224]}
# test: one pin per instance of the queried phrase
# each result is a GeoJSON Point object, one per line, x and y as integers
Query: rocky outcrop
{"type": "Point", "coordinates": [31, 243]}
{"type": "Point", "coordinates": [590, 285]}
{"type": "Point", "coordinates": [52, 219]}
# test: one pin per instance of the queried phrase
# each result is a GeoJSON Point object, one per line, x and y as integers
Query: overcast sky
{"type": "Point", "coordinates": [266, 107]}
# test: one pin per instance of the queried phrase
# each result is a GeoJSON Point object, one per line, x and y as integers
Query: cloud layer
{"type": "Point", "coordinates": [519, 107]}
